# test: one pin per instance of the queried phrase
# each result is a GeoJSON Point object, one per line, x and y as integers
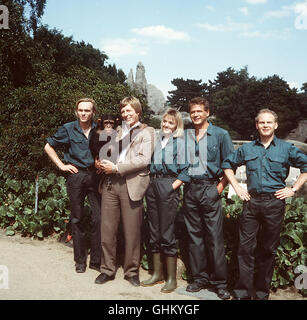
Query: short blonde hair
{"type": "Point", "coordinates": [267, 111]}
{"type": "Point", "coordinates": [176, 115]}
{"type": "Point", "coordinates": [134, 102]}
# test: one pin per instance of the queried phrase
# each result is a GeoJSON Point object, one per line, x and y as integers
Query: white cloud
{"type": "Point", "coordinates": [161, 33]}
{"type": "Point", "coordinates": [283, 34]}
{"type": "Point", "coordinates": [244, 10]}
{"type": "Point", "coordinates": [256, 1]}
{"type": "Point", "coordinates": [229, 26]}
{"type": "Point", "coordinates": [292, 84]}
{"type": "Point", "coordinates": [211, 8]}
{"type": "Point", "coordinates": [251, 34]}
{"type": "Point", "coordinates": [283, 12]}
{"type": "Point", "coordinates": [123, 47]}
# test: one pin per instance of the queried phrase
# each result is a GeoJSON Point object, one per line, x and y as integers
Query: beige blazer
{"type": "Point", "coordinates": [138, 157]}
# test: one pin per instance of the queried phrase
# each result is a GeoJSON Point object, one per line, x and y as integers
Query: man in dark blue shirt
{"type": "Point", "coordinates": [206, 147]}
{"type": "Point", "coordinates": [267, 161]}
{"type": "Point", "coordinates": [82, 180]}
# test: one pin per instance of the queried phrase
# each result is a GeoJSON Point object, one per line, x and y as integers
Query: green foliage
{"type": "Point", "coordinates": [186, 90]}
{"type": "Point", "coordinates": [236, 97]}
{"type": "Point", "coordinates": [17, 206]}
{"type": "Point", "coordinates": [292, 250]}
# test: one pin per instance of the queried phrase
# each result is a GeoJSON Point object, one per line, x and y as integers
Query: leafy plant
{"type": "Point", "coordinates": [17, 208]}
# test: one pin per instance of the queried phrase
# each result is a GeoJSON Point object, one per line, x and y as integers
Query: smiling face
{"type": "Point", "coordinates": [199, 115]}
{"type": "Point", "coordinates": [85, 112]}
{"type": "Point", "coordinates": [266, 125]}
{"type": "Point", "coordinates": [129, 115]}
{"type": "Point", "coordinates": [169, 125]}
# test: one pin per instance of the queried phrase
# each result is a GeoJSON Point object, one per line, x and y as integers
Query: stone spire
{"type": "Point", "coordinates": [140, 79]}
{"type": "Point", "coordinates": [130, 80]}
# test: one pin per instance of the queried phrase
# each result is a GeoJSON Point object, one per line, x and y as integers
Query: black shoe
{"type": "Point", "coordinates": [223, 294]}
{"type": "Point", "coordinates": [103, 278]}
{"type": "Point", "coordinates": [196, 286]}
{"type": "Point", "coordinates": [134, 280]}
{"type": "Point", "coordinates": [80, 267]}
{"type": "Point", "coordinates": [95, 266]}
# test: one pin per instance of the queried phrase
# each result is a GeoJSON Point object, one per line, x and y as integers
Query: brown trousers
{"type": "Point", "coordinates": [115, 206]}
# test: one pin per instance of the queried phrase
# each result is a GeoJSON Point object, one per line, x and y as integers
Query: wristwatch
{"type": "Point", "coordinates": [293, 189]}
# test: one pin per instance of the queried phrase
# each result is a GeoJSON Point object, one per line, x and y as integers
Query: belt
{"type": "Point", "coordinates": [161, 175]}
{"type": "Point", "coordinates": [263, 195]}
{"type": "Point", "coordinates": [204, 180]}
{"type": "Point", "coordinates": [90, 168]}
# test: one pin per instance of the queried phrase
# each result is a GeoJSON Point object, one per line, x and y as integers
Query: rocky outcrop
{"type": "Point", "coordinates": [300, 133]}
{"type": "Point", "coordinates": [140, 79]}
{"type": "Point", "coordinates": [155, 99]}
{"type": "Point", "coordinates": [130, 80]}
{"type": "Point", "coordinates": [154, 96]}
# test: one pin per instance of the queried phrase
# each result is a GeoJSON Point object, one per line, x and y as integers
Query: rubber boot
{"type": "Point", "coordinates": [171, 281]}
{"type": "Point", "coordinates": [157, 276]}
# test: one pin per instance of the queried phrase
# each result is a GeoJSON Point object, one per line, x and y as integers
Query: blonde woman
{"type": "Point", "coordinates": [167, 174]}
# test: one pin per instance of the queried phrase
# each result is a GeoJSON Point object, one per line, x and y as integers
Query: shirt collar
{"type": "Point", "coordinates": [273, 142]}
{"type": "Point", "coordinates": [78, 127]}
{"type": "Point", "coordinates": [210, 131]}
{"type": "Point", "coordinates": [126, 129]}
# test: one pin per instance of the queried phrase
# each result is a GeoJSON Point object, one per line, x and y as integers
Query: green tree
{"type": "Point", "coordinates": [15, 46]}
{"type": "Point", "coordinates": [186, 90]}
{"type": "Point", "coordinates": [237, 98]}
{"type": "Point", "coordinates": [303, 97]}
{"type": "Point", "coordinates": [278, 96]}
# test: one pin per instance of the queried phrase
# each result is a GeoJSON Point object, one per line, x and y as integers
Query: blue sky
{"type": "Point", "coordinates": [193, 39]}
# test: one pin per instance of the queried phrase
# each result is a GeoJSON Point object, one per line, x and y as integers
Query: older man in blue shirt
{"type": "Point", "coordinates": [82, 180]}
{"type": "Point", "coordinates": [267, 161]}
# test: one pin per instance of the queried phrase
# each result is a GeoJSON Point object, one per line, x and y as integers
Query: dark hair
{"type": "Point", "coordinates": [108, 117]}
{"type": "Point", "coordinates": [104, 117]}
{"type": "Point", "coordinates": [201, 101]}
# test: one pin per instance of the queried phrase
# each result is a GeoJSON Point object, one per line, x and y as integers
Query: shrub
{"type": "Point", "coordinates": [17, 208]}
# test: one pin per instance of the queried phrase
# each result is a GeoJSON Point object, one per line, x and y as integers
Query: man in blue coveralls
{"type": "Point", "coordinates": [267, 161]}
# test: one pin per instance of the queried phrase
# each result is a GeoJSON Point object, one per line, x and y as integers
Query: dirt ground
{"type": "Point", "coordinates": [44, 270]}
